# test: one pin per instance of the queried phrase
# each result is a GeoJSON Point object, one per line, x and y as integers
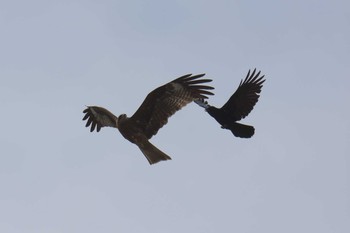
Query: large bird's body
{"type": "Point", "coordinates": [153, 113]}
{"type": "Point", "coordinates": [240, 104]}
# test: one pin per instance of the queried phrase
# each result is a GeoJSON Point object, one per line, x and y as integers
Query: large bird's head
{"type": "Point", "coordinates": [122, 117]}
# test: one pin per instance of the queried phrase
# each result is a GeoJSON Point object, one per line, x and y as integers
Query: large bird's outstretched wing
{"type": "Point", "coordinates": [243, 100]}
{"type": "Point", "coordinates": [99, 117]}
{"type": "Point", "coordinates": [165, 100]}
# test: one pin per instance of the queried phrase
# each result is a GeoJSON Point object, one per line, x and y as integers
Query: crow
{"type": "Point", "coordinates": [238, 106]}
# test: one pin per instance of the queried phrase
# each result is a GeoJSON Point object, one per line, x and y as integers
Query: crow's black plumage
{"type": "Point", "coordinates": [240, 104]}
{"type": "Point", "coordinates": [153, 113]}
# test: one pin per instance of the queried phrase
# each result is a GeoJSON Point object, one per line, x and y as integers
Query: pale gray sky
{"type": "Point", "coordinates": [58, 56]}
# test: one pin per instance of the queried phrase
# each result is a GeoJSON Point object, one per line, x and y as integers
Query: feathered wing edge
{"type": "Point", "coordinates": [99, 117]}
{"type": "Point", "coordinates": [254, 79]}
{"type": "Point", "coordinates": [190, 82]}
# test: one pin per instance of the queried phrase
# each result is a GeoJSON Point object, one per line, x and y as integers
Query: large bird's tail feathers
{"type": "Point", "coordinates": [152, 153]}
{"type": "Point", "coordinates": [240, 130]}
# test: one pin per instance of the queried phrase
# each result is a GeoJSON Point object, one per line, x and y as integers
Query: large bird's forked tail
{"type": "Point", "coordinates": [152, 153]}
{"type": "Point", "coordinates": [240, 130]}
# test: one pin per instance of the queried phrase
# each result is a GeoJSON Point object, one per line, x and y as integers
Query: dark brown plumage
{"type": "Point", "coordinates": [153, 113]}
{"type": "Point", "coordinates": [240, 104]}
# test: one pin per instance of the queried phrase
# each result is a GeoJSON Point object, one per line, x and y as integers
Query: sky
{"type": "Point", "coordinates": [59, 56]}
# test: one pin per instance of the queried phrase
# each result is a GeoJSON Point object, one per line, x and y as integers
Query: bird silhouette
{"type": "Point", "coordinates": [240, 104]}
{"type": "Point", "coordinates": [153, 113]}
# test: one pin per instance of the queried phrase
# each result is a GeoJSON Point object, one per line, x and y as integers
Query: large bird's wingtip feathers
{"type": "Point", "coordinates": [188, 77]}
{"type": "Point", "coordinates": [194, 83]}
{"type": "Point", "coordinates": [183, 77]}
{"type": "Point", "coordinates": [98, 117]}
{"type": "Point", "coordinates": [200, 81]}
{"type": "Point", "coordinates": [192, 77]}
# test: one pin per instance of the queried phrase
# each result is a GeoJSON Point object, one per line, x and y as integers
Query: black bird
{"type": "Point", "coordinates": [238, 106]}
{"type": "Point", "coordinates": [153, 113]}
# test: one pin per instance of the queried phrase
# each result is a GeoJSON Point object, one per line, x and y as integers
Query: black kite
{"type": "Point", "coordinates": [153, 113]}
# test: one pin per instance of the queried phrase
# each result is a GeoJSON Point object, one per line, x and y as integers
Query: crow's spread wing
{"type": "Point", "coordinates": [99, 117]}
{"type": "Point", "coordinates": [165, 100]}
{"type": "Point", "coordinates": [243, 100]}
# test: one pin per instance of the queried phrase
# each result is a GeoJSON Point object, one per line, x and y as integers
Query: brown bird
{"type": "Point", "coordinates": [153, 113]}
{"type": "Point", "coordinates": [240, 104]}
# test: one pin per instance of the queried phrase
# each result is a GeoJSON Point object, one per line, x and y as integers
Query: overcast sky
{"type": "Point", "coordinates": [58, 56]}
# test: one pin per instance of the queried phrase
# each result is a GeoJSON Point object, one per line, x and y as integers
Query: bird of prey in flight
{"type": "Point", "coordinates": [240, 104]}
{"type": "Point", "coordinates": [153, 113]}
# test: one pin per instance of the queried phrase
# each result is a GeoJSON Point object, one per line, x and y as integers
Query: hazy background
{"type": "Point", "coordinates": [58, 56]}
